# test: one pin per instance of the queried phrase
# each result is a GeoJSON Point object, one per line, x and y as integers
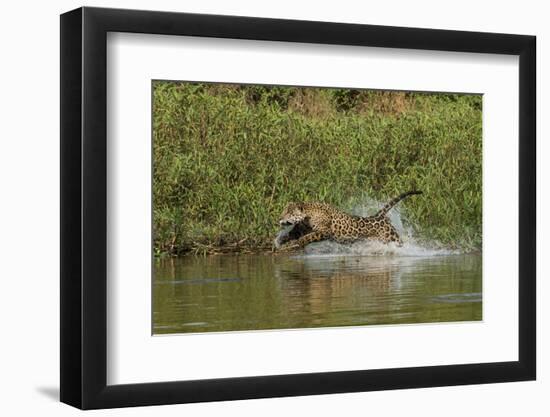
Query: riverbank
{"type": "Point", "coordinates": [227, 159]}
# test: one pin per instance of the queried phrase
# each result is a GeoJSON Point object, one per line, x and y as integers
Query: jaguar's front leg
{"type": "Point", "coordinates": [304, 241]}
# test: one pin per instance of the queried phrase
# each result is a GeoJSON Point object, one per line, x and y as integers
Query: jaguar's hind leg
{"type": "Point", "coordinates": [389, 235]}
{"type": "Point", "coordinates": [395, 238]}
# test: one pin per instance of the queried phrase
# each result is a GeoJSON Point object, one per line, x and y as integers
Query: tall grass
{"type": "Point", "coordinates": [228, 158]}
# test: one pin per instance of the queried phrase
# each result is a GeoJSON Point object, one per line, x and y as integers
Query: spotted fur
{"type": "Point", "coordinates": [313, 222]}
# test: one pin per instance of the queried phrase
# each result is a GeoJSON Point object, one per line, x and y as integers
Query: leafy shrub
{"type": "Point", "coordinates": [228, 158]}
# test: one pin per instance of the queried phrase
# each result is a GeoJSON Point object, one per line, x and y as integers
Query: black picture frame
{"type": "Point", "coordinates": [84, 207]}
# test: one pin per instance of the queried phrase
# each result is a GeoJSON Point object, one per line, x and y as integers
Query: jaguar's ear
{"type": "Point", "coordinates": [288, 206]}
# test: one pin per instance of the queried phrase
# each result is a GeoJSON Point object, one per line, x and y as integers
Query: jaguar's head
{"type": "Point", "coordinates": [292, 214]}
{"type": "Point", "coordinates": [294, 224]}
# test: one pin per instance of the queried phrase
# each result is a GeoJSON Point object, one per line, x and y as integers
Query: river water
{"type": "Point", "coordinates": [265, 291]}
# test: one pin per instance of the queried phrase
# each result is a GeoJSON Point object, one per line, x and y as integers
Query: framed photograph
{"type": "Point", "coordinates": [257, 208]}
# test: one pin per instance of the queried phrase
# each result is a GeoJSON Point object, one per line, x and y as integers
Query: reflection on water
{"type": "Point", "coordinates": [250, 292]}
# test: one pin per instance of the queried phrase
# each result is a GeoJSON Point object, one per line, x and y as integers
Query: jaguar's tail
{"type": "Point", "coordinates": [389, 205]}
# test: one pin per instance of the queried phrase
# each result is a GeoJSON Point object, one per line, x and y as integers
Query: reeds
{"type": "Point", "coordinates": [228, 158]}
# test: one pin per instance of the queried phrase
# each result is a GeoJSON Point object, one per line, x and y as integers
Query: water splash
{"type": "Point", "coordinates": [412, 246]}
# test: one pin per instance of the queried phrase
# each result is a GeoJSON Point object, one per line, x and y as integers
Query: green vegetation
{"type": "Point", "coordinates": [228, 158]}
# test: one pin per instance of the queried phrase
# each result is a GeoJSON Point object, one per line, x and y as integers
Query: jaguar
{"type": "Point", "coordinates": [308, 222]}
